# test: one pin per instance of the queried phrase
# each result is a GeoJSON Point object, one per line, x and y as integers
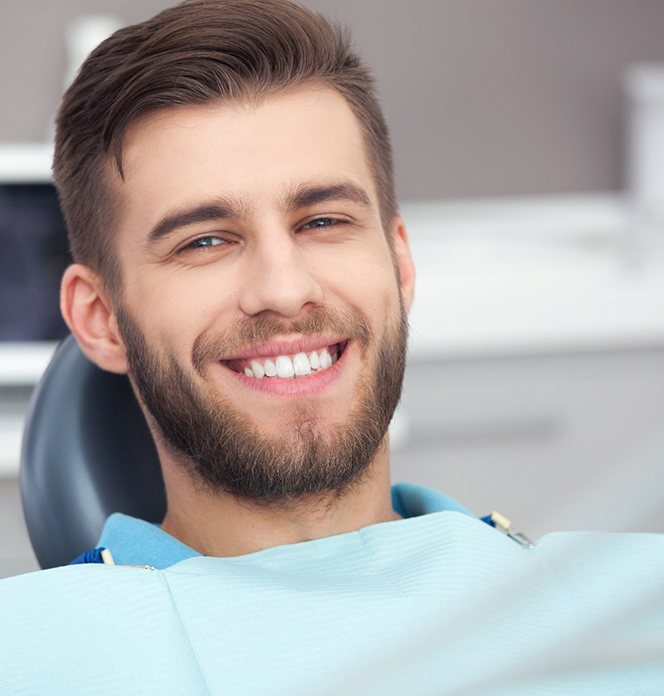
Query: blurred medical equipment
{"type": "Point", "coordinates": [645, 155]}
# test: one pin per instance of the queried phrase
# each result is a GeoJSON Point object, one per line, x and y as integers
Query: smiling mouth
{"type": "Point", "coordinates": [287, 366]}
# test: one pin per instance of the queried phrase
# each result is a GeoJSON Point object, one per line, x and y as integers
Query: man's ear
{"type": "Point", "coordinates": [89, 314]}
{"type": "Point", "coordinates": [403, 260]}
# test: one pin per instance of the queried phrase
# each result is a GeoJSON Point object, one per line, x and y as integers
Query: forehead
{"type": "Point", "coordinates": [252, 151]}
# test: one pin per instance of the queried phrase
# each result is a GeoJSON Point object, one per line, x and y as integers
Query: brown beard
{"type": "Point", "coordinates": [226, 451]}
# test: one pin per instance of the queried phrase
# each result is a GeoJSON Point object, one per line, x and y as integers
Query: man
{"type": "Point", "coordinates": [226, 177]}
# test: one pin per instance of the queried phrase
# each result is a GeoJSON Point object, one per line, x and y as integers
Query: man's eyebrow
{"type": "Point", "coordinates": [220, 209]}
{"type": "Point", "coordinates": [304, 196]}
{"type": "Point", "coordinates": [225, 209]}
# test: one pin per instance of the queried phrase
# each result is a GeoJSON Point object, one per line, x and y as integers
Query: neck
{"type": "Point", "coordinates": [217, 524]}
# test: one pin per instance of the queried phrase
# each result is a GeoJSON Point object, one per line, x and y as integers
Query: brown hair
{"type": "Point", "coordinates": [193, 53]}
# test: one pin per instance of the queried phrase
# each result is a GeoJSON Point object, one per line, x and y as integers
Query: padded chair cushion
{"type": "Point", "coordinates": [87, 452]}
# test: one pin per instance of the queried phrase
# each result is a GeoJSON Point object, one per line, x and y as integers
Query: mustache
{"type": "Point", "coordinates": [246, 333]}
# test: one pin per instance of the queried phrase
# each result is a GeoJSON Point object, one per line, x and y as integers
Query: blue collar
{"type": "Point", "coordinates": [134, 541]}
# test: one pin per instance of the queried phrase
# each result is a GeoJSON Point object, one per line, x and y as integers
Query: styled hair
{"type": "Point", "coordinates": [198, 52]}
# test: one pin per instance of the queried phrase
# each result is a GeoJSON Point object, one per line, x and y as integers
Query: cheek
{"type": "Point", "coordinates": [359, 264]}
{"type": "Point", "coordinates": [375, 295]}
{"type": "Point", "coordinates": [176, 306]}
{"type": "Point", "coordinates": [367, 280]}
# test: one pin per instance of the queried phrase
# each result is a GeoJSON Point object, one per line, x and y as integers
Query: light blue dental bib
{"type": "Point", "coordinates": [439, 603]}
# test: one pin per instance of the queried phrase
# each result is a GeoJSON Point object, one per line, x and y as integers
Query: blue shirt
{"type": "Point", "coordinates": [437, 603]}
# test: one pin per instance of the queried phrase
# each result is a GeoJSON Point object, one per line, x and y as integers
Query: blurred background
{"type": "Point", "coordinates": [529, 145]}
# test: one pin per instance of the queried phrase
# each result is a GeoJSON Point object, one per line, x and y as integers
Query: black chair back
{"type": "Point", "coordinates": [87, 452]}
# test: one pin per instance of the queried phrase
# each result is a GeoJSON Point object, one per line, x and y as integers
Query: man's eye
{"type": "Point", "coordinates": [317, 223]}
{"type": "Point", "coordinates": [204, 243]}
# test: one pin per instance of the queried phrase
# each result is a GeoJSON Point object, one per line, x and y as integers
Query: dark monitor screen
{"type": "Point", "coordinates": [33, 255]}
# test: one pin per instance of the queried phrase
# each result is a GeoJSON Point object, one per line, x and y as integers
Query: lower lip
{"type": "Point", "coordinates": [310, 385]}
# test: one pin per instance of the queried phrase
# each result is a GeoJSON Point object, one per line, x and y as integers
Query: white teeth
{"type": "Point", "coordinates": [325, 359]}
{"type": "Point", "coordinates": [301, 365]}
{"type": "Point", "coordinates": [257, 369]}
{"type": "Point", "coordinates": [285, 367]}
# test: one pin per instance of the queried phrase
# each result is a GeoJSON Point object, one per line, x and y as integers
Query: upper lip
{"type": "Point", "coordinates": [290, 346]}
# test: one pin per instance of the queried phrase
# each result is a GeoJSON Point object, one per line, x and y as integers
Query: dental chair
{"type": "Point", "coordinates": [87, 452]}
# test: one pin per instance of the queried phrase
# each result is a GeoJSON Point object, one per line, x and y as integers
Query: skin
{"type": "Point", "coordinates": [266, 259]}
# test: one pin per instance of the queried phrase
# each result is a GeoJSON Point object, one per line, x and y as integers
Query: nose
{"type": "Point", "coordinates": [278, 278]}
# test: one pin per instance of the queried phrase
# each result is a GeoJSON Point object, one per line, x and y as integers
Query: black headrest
{"type": "Point", "coordinates": [87, 452]}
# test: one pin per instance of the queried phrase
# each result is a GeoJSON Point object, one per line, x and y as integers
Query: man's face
{"type": "Point", "coordinates": [262, 315]}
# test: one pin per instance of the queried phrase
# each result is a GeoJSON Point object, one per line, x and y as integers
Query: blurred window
{"type": "Point", "coordinates": [33, 255]}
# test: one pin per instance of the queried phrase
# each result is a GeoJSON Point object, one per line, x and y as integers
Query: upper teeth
{"type": "Point", "coordinates": [298, 365]}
